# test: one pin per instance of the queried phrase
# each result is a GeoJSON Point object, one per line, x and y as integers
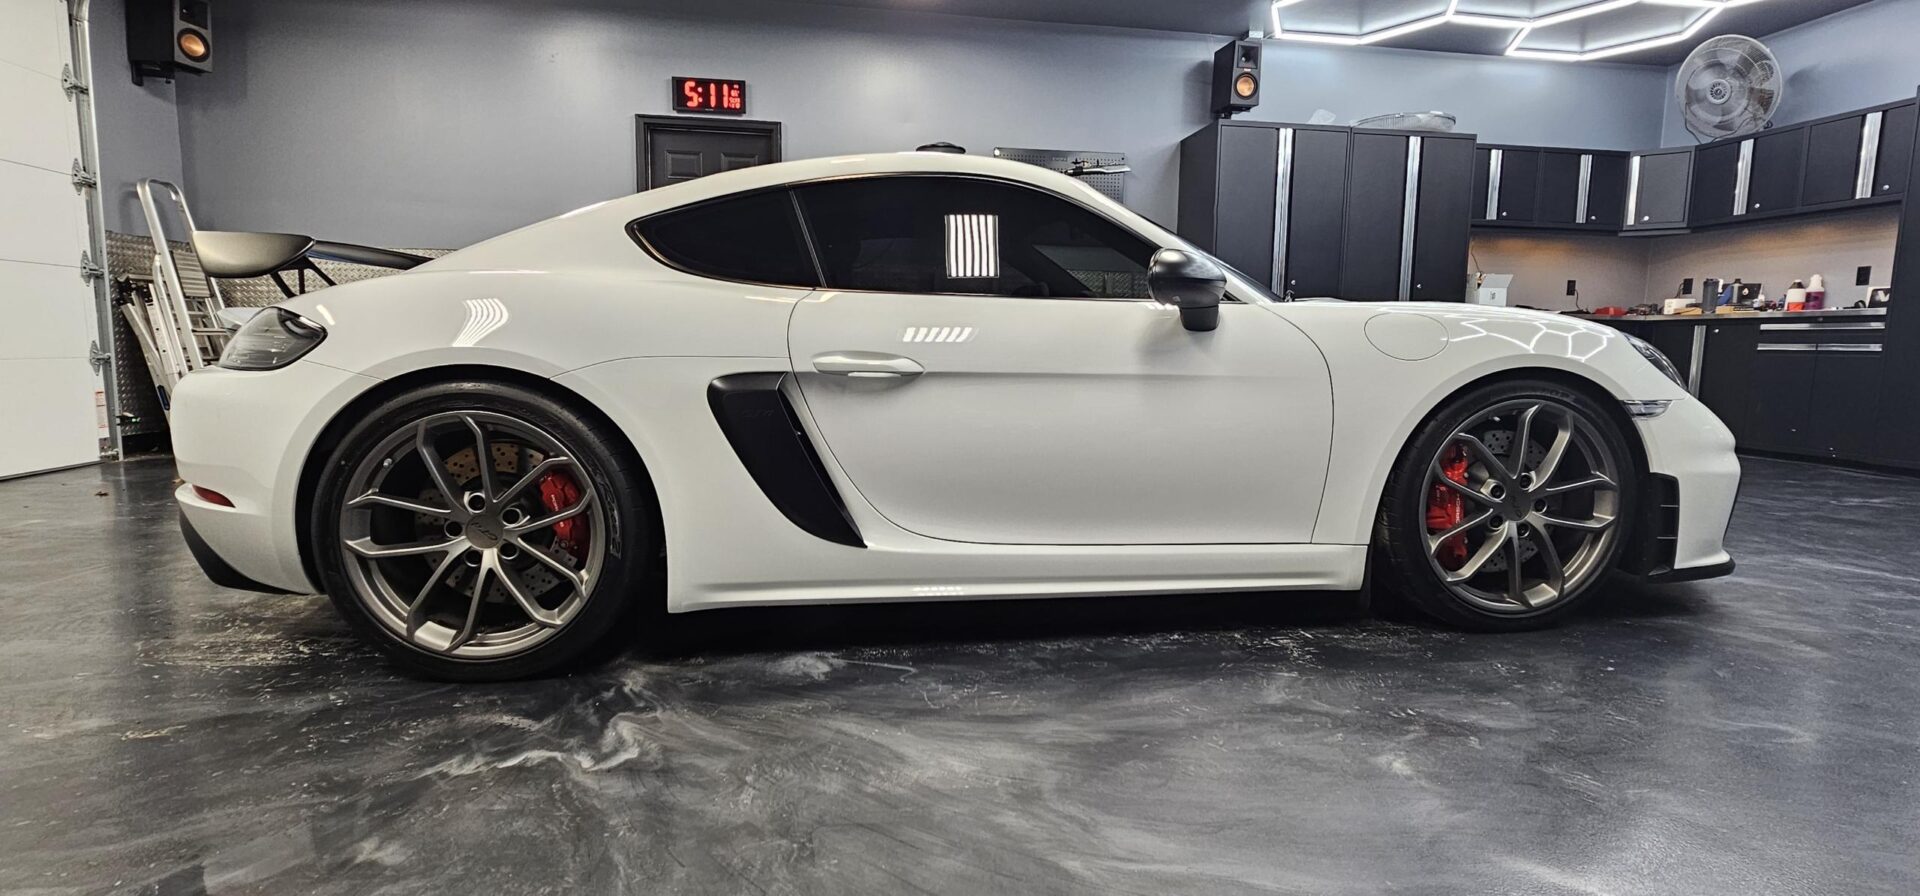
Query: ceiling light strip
{"type": "Point", "coordinates": [1524, 27]}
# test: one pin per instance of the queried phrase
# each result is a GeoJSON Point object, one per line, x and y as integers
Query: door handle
{"type": "Point", "coordinates": [866, 364]}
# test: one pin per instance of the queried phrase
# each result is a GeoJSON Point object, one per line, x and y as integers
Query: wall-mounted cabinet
{"type": "Point", "coordinates": [1860, 158]}
{"type": "Point", "coordinates": [1313, 210]}
{"type": "Point", "coordinates": [1549, 188]}
{"type": "Point", "coordinates": [1658, 188]}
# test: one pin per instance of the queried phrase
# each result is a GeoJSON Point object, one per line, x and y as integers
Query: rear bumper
{"type": "Point", "coordinates": [247, 435]}
{"type": "Point", "coordinates": [217, 568]}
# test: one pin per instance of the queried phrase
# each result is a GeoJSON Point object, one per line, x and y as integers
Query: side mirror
{"type": "Point", "coordinates": [1192, 283]}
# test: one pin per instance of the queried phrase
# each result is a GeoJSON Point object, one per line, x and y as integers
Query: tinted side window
{"type": "Point", "coordinates": [753, 238]}
{"type": "Point", "coordinates": [969, 236]}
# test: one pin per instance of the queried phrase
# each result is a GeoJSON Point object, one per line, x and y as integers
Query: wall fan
{"type": "Point", "coordinates": [1729, 86]}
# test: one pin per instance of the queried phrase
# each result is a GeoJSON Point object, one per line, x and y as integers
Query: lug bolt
{"type": "Point", "coordinates": [454, 528]}
{"type": "Point", "coordinates": [476, 502]}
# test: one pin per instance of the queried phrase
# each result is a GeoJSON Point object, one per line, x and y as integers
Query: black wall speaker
{"type": "Point", "coordinates": [1236, 77]}
{"type": "Point", "coordinates": [168, 36]}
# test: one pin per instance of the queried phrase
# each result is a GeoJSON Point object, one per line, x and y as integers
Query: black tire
{"type": "Point", "coordinates": [623, 498]}
{"type": "Point", "coordinates": [1411, 573]}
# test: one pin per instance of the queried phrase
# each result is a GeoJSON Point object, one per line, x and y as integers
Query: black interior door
{"type": "Point", "coordinates": [1519, 184]}
{"type": "Point", "coordinates": [1559, 195]}
{"type": "Point", "coordinates": [1896, 150]}
{"type": "Point", "coordinates": [1773, 182]}
{"type": "Point", "coordinates": [1833, 161]}
{"type": "Point", "coordinates": [1716, 177]}
{"type": "Point", "coordinates": [1243, 214]}
{"type": "Point", "coordinates": [1661, 197]}
{"type": "Point", "coordinates": [1376, 218]}
{"type": "Point", "coordinates": [1841, 418]}
{"type": "Point", "coordinates": [673, 150]}
{"type": "Point", "coordinates": [1316, 216]}
{"type": "Point", "coordinates": [1607, 191]}
{"type": "Point", "coordinates": [1726, 372]}
{"type": "Point", "coordinates": [1780, 396]}
{"type": "Point", "coordinates": [1442, 219]}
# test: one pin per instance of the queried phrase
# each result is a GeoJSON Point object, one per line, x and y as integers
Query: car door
{"type": "Point", "coordinates": [985, 366]}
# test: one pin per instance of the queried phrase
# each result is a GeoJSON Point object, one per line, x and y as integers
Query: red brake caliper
{"type": "Point", "coordinates": [1446, 508]}
{"type": "Point", "coordinates": [558, 492]}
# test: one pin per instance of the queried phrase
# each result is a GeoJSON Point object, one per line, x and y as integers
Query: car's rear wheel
{"type": "Point", "coordinates": [1508, 506]}
{"type": "Point", "coordinates": [481, 531]}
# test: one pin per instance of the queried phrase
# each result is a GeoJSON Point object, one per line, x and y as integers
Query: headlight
{"type": "Point", "coordinates": [1658, 358]}
{"type": "Point", "coordinates": [273, 339]}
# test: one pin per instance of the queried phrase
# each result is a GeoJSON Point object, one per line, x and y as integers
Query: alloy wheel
{"type": "Point", "coordinates": [472, 534]}
{"type": "Point", "coordinates": [1522, 506]}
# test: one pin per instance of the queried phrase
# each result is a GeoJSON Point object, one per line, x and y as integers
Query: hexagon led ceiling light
{"type": "Point", "coordinates": [1424, 14]}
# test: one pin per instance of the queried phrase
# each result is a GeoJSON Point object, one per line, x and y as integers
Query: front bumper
{"type": "Point", "coordinates": [1682, 524]}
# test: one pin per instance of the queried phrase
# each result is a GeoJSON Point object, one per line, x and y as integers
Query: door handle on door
{"type": "Point", "coordinates": [866, 364]}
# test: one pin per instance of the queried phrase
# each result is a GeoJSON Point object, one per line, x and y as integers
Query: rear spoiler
{"type": "Point", "coordinates": [229, 254]}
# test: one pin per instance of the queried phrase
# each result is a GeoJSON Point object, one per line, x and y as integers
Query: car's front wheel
{"type": "Point", "coordinates": [481, 531]}
{"type": "Point", "coordinates": [1508, 506]}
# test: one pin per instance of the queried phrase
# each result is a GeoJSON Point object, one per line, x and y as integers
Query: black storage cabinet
{"type": "Point", "coordinates": [1313, 210]}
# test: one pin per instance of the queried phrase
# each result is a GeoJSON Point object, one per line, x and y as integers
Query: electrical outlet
{"type": "Point", "coordinates": [1686, 286]}
{"type": "Point", "coordinates": [1573, 288]}
{"type": "Point", "coordinates": [1863, 275]}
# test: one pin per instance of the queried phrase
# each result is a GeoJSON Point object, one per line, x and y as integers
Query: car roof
{"type": "Point", "coordinates": [777, 174]}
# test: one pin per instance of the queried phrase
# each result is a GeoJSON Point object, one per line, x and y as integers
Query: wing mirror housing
{"type": "Point", "coordinates": [1190, 282]}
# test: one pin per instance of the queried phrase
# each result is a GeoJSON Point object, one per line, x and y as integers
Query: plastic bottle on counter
{"type": "Point", "coordinates": [1816, 293]}
{"type": "Point", "coordinates": [1796, 297]}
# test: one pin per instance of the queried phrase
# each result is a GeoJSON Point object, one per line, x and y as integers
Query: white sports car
{"type": "Point", "coordinates": [913, 376]}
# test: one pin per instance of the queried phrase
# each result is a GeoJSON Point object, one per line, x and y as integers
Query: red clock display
{"type": "Point", "coordinates": [711, 95]}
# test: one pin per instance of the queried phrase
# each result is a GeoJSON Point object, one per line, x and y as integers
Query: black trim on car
{"type": "Point", "coordinates": [218, 570]}
{"type": "Point", "coordinates": [1689, 574]}
{"type": "Point", "coordinates": [765, 432]}
{"type": "Point", "coordinates": [1651, 556]}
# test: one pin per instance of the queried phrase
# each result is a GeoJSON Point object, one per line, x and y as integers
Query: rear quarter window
{"type": "Point", "coordinates": [749, 239]}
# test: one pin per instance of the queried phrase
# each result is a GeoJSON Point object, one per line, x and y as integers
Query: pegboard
{"type": "Point", "coordinates": [1112, 186]}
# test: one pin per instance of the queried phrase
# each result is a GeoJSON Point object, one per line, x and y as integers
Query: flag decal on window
{"type": "Point", "coordinates": [973, 247]}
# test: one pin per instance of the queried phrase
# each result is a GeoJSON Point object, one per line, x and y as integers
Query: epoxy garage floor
{"type": "Point", "coordinates": [1757, 734]}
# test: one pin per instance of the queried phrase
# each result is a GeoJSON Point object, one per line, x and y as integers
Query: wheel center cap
{"type": "Point", "coordinates": [486, 531]}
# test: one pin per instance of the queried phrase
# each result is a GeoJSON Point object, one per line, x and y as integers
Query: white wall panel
{"type": "Point", "coordinates": [48, 415]}
{"type": "Point", "coordinates": [36, 120]}
{"type": "Point", "coordinates": [43, 219]}
{"type": "Point", "coordinates": [36, 35]}
{"type": "Point", "coordinates": [49, 312]}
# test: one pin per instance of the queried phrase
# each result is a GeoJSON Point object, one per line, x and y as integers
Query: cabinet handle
{"type": "Point", "coordinates": [1872, 325]}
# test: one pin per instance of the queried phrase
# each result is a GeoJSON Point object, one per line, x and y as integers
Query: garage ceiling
{"type": "Point", "coordinates": [1563, 28]}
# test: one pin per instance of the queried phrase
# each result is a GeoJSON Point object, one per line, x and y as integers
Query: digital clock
{"type": "Point", "coordinates": [719, 96]}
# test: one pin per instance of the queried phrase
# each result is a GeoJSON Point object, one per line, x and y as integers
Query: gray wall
{"type": "Point", "coordinates": [439, 123]}
{"type": "Point", "coordinates": [1854, 58]}
{"type": "Point", "coordinates": [139, 126]}
{"type": "Point", "coordinates": [1609, 270]}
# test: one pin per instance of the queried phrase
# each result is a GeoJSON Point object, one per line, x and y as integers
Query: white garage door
{"type": "Point", "coordinates": [47, 416]}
